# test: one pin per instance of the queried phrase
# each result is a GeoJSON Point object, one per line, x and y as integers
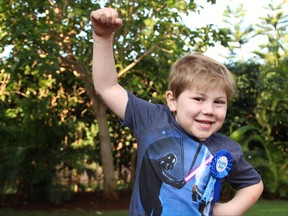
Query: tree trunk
{"type": "Point", "coordinates": [99, 108]}
{"type": "Point", "coordinates": [110, 186]}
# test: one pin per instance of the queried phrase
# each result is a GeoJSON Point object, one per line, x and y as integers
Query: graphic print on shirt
{"type": "Point", "coordinates": [170, 168]}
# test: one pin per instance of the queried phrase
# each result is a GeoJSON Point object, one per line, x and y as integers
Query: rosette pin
{"type": "Point", "coordinates": [219, 168]}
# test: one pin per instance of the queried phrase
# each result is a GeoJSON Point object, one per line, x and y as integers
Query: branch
{"type": "Point", "coordinates": [148, 52]}
{"type": "Point", "coordinates": [88, 83]}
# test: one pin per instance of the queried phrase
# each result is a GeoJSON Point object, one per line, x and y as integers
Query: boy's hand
{"type": "Point", "coordinates": [105, 21]}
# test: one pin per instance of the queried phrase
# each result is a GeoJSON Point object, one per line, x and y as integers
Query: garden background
{"type": "Point", "coordinates": [59, 141]}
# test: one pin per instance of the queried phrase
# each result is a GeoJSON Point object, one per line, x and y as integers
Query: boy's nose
{"type": "Point", "coordinates": [207, 109]}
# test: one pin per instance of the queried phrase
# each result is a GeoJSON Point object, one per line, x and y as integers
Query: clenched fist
{"type": "Point", "coordinates": [105, 21]}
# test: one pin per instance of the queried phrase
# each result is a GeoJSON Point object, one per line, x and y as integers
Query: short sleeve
{"type": "Point", "coordinates": [242, 173]}
{"type": "Point", "coordinates": [140, 114]}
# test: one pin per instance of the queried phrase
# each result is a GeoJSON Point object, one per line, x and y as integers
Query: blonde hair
{"type": "Point", "coordinates": [200, 72]}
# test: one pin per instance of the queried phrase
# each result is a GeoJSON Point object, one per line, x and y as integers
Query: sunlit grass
{"type": "Point", "coordinates": [269, 207]}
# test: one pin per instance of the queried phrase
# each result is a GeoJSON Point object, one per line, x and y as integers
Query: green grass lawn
{"type": "Point", "coordinates": [269, 207]}
{"type": "Point", "coordinates": [262, 208]}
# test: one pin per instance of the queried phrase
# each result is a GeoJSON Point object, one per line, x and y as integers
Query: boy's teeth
{"type": "Point", "coordinates": [204, 122]}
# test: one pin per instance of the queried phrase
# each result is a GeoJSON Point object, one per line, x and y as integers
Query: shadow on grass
{"type": "Point", "coordinates": [9, 212]}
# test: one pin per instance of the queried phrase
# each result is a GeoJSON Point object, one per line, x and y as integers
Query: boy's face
{"type": "Point", "coordinates": [200, 114]}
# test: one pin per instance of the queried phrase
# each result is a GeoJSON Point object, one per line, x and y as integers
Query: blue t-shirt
{"type": "Point", "coordinates": [173, 168]}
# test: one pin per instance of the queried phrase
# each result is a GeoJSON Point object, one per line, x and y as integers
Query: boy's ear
{"type": "Point", "coordinates": [171, 101]}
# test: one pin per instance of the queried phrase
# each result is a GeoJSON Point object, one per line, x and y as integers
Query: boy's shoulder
{"type": "Point", "coordinates": [135, 103]}
{"type": "Point", "coordinates": [218, 137]}
{"type": "Point", "coordinates": [219, 141]}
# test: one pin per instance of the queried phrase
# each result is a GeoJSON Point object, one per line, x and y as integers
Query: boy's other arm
{"type": "Point", "coordinates": [241, 202]}
{"type": "Point", "coordinates": [105, 22]}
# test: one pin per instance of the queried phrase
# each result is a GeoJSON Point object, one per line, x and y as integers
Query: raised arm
{"type": "Point", "coordinates": [105, 22]}
{"type": "Point", "coordinates": [241, 202]}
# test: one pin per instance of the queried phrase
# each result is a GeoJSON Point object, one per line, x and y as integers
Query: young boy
{"type": "Point", "coordinates": [176, 142]}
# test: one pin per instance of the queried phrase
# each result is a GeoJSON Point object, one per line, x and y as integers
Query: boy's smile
{"type": "Point", "coordinates": [200, 114]}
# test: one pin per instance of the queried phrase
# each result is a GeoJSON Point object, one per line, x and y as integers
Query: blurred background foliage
{"type": "Point", "coordinates": [54, 128]}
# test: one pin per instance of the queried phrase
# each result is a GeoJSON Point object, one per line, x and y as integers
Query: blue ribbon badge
{"type": "Point", "coordinates": [219, 168]}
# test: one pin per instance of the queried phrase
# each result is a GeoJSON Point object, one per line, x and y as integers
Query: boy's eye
{"type": "Point", "coordinates": [198, 98]}
{"type": "Point", "coordinates": [220, 102]}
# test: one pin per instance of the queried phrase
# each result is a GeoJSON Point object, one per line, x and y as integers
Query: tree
{"type": "Point", "coordinates": [46, 82]}
{"type": "Point", "coordinates": [240, 34]}
{"type": "Point", "coordinates": [274, 26]}
{"type": "Point", "coordinates": [42, 99]}
{"type": "Point", "coordinates": [264, 137]}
